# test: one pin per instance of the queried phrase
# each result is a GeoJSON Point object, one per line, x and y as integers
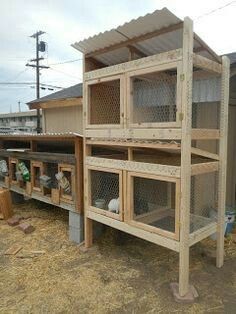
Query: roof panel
{"type": "Point", "coordinates": [70, 92]}
{"type": "Point", "coordinates": [145, 24]}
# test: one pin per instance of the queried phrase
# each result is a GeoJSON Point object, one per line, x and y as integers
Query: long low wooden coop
{"type": "Point", "coordinates": [155, 127]}
{"type": "Point", "coordinates": [46, 167]}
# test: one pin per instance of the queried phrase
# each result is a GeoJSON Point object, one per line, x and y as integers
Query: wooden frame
{"type": "Point", "coordinates": [36, 165]}
{"type": "Point", "coordinates": [141, 223]}
{"type": "Point", "coordinates": [139, 135]}
{"type": "Point", "coordinates": [63, 196]}
{"type": "Point", "coordinates": [121, 197]}
{"type": "Point", "coordinates": [154, 69]}
{"type": "Point", "coordinates": [88, 108]}
{"type": "Point", "coordinates": [13, 162]}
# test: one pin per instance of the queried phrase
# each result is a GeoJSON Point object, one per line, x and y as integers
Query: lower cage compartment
{"type": "Point", "coordinates": [153, 202]}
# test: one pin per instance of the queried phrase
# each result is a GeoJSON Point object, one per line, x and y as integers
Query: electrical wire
{"type": "Point", "coordinates": [63, 62]}
{"type": "Point", "coordinates": [59, 71]}
{"type": "Point", "coordinates": [215, 10]}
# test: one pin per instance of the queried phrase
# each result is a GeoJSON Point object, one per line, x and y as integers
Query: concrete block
{"type": "Point", "coordinates": [188, 298]}
{"type": "Point", "coordinates": [26, 228]}
{"type": "Point", "coordinates": [76, 234]}
{"type": "Point", "coordinates": [14, 221]}
{"type": "Point", "coordinates": [76, 220]}
{"type": "Point", "coordinates": [17, 198]}
{"type": "Point", "coordinates": [98, 229]}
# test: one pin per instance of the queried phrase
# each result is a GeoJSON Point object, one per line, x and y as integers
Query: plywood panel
{"type": "Point", "coordinates": [68, 119]}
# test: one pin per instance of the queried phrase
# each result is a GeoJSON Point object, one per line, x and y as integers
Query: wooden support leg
{"type": "Point", "coordinates": [220, 244]}
{"type": "Point", "coordinates": [223, 160]}
{"type": "Point", "coordinates": [183, 270]}
{"type": "Point", "coordinates": [88, 227]}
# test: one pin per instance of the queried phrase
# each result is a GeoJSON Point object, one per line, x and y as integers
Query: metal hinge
{"type": "Point", "coordinates": [182, 77]}
{"type": "Point", "coordinates": [181, 116]}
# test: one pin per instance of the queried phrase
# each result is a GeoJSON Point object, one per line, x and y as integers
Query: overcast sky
{"type": "Point", "coordinates": [68, 21]}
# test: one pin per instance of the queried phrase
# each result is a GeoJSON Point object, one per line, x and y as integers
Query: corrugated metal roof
{"type": "Point", "coordinates": [155, 21]}
{"type": "Point", "coordinates": [41, 135]}
{"type": "Point", "coordinates": [70, 92]}
{"type": "Point", "coordinates": [136, 27]}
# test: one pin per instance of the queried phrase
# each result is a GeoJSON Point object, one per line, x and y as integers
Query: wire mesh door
{"type": "Point", "coordinates": [105, 192]}
{"type": "Point", "coordinates": [66, 182]}
{"type": "Point", "coordinates": [153, 203]}
{"type": "Point", "coordinates": [153, 97]}
{"type": "Point", "coordinates": [105, 103]}
{"type": "Point", "coordinates": [203, 200]}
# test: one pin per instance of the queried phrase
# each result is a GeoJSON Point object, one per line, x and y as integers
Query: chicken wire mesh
{"type": "Point", "coordinates": [154, 97]}
{"type": "Point", "coordinates": [154, 203]}
{"type": "Point", "coordinates": [203, 200]}
{"type": "Point", "coordinates": [104, 103]}
{"type": "Point", "coordinates": [105, 190]}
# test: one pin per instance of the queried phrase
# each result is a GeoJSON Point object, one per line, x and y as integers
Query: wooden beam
{"type": "Point", "coordinates": [185, 181]}
{"type": "Point", "coordinates": [223, 160]}
{"type": "Point", "coordinates": [57, 103]}
{"type": "Point", "coordinates": [202, 233]}
{"type": "Point", "coordinates": [143, 234]}
{"type": "Point", "coordinates": [42, 156]}
{"type": "Point", "coordinates": [135, 143]}
{"type": "Point", "coordinates": [134, 65]}
{"type": "Point", "coordinates": [135, 51]}
{"type": "Point", "coordinates": [205, 134]}
{"type": "Point", "coordinates": [206, 64]}
{"type": "Point", "coordinates": [141, 167]}
{"type": "Point", "coordinates": [211, 52]}
{"type": "Point", "coordinates": [127, 42]}
{"type": "Point", "coordinates": [204, 167]}
{"type": "Point", "coordinates": [203, 153]}
{"type": "Point", "coordinates": [93, 64]}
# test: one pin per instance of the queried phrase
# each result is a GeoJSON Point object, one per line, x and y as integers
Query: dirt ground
{"type": "Point", "coordinates": [121, 274]}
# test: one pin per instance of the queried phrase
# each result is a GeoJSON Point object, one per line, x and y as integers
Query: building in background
{"type": "Point", "coordinates": [18, 122]}
{"type": "Point", "coordinates": [61, 111]}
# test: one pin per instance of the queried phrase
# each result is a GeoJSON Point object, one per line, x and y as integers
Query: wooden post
{"type": "Point", "coordinates": [5, 203]}
{"type": "Point", "coordinates": [223, 160]}
{"type": "Point", "coordinates": [186, 78]}
{"type": "Point", "coordinates": [88, 223]}
{"type": "Point", "coordinates": [79, 174]}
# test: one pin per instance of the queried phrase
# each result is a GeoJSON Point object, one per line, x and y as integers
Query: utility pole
{"type": "Point", "coordinates": [40, 46]}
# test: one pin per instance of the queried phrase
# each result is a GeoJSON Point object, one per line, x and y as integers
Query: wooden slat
{"type": "Point", "coordinates": [202, 233]}
{"type": "Point", "coordinates": [57, 103]}
{"type": "Point", "coordinates": [205, 167]}
{"type": "Point", "coordinates": [141, 167]}
{"type": "Point", "coordinates": [203, 153]}
{"type": "Point", "coordinates": [142, 63]}
{"type": "Point", "coordinates": [42, 156]}
{"type": "Point", "coordinates": [206, 64]}
{"type": "Point", "coordinates": [207, 48]}
{"type": "Point", "coordinates": [151, 237]}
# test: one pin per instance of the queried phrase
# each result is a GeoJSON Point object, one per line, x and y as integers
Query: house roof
{"type": "Point", "coordinates": [232, 57]}
{"type": "Point", "coordinates": [98, 45]}
{"type": "Point", "coordinates": [70, 92]}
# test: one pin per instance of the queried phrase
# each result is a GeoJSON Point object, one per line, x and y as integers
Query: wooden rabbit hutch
{"type": "Point", "coordinates": [45, 156]}
{"type": "Point", "coordinates": [155, 134]}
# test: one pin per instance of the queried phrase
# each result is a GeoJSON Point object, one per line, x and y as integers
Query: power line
{"type": "Point", "coordinates": [59, 71]}
{"type": "Point", "coordinates": [215, 10]}
{"type": "Point", "coordinates": [29, 83]}
{"type": "Point", "coordinates": [17, 75]}
{"type": "Point", "coordinates": [63, 62]}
